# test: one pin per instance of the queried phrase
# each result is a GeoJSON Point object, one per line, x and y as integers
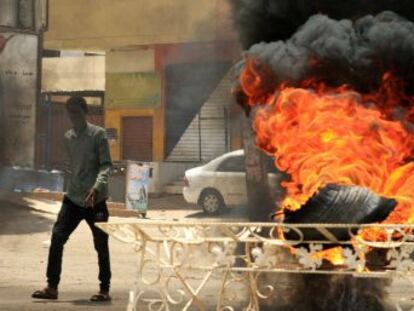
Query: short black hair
{"type": "Point", "coordinates": [77, 101]}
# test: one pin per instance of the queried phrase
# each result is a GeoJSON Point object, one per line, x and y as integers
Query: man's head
{"type": "Point", "coordinates": [77, 110]}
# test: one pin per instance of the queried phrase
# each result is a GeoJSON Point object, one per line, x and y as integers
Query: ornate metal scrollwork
{"type": "Point", "coordinates": [182, 263]}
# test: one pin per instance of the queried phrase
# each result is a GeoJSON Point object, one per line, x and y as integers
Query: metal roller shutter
{"type": "Point", "coordinates": [188, 147]}
{"type": "Point", "coordinates": [207, 135]}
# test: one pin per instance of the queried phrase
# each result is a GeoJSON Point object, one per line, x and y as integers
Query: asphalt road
{"type": "Point", "coordinates": [25, 228]}
{"type": "Point", "coordinates": [24, 239]}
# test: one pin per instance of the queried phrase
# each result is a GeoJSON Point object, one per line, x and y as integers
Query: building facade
{"type": "Point", "coordinates": [163, 61]}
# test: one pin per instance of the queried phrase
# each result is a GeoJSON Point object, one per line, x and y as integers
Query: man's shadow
{"type": "Point", "coordinates": [20, 218]}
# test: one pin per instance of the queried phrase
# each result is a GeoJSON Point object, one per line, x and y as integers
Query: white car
{"type": "Point", "coordinates": [221, 183]}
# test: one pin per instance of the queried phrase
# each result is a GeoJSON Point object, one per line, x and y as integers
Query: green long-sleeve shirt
{"type": "Point", "coordinates": [90, 162]}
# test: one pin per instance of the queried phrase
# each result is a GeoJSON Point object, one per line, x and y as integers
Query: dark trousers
{"type": "Point", "coordinates": [68, 219]}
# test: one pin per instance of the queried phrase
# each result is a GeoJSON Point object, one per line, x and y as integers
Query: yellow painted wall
{"type": "Point", "coordinates": [129, 62]}
{"type": "Point", "coordinates": [105, 24]}
{"type": "Point", "coordinates": [113, 119]}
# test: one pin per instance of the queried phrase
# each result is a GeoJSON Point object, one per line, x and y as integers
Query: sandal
{"type": "Point", "coordinates": [46, 293]}
{"type": "Point", "coordinates": [101, 297]}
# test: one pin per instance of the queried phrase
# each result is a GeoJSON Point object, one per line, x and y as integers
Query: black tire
{"type": "Point", "coordinates": [211, 202]}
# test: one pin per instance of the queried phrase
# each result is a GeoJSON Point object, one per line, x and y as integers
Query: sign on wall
{"type": "Point", "coordinates": [138, 177]}
{"type": "Point", "coordinates": [133, 90]}
{"type": "Point", "coordinates": [18, 95]}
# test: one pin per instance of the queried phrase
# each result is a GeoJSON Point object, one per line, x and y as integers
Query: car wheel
{"type": "Point", "coordinates": [211, 201]}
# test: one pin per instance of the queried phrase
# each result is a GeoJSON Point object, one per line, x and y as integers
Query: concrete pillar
{"type": "Point", "coordinates": [8, 13]}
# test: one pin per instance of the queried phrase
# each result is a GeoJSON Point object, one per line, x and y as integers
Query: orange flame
{"type": "Point", "coordinates": [321, 135]}
{"type": "Point", "coordinates": [333, 255]}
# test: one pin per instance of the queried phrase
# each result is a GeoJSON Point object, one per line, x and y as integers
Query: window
{"type": "Point", "coordinates": [232, 164]}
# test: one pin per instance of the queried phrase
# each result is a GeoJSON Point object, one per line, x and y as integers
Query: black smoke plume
{"type": "Point", "coordinates": [273, 20]}
{"type": "Point", "coordinates": [338, 52]}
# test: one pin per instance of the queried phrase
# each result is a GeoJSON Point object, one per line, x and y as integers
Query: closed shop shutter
{"type": "Point", "coordinates": [188, 147]}
{"type": "Point", "coordinates": [207, 135]}
{"type": "Point", "coordinates": [213, 138]}
{"type": "Point", "coordinates": [213, 124]}
{"type": "Point", "coordinates": [137, 138]}
{"type": "Point", "coordinates": [188, 86]}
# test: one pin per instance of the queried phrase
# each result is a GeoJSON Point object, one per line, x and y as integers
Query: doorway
{"type": "Point", "coordinates": [137, 141]}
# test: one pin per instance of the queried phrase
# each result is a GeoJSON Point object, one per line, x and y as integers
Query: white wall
{"type": "Point", "coordinates": [73, 74]}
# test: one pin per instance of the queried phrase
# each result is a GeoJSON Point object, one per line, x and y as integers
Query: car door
{"type": "Point", "coordinates": [231, 180]}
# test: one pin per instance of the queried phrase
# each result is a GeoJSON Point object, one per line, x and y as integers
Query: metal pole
{"type": "Point", "coordinates": [48, 102]}
{"type": "Point", "coordinates": [226, 129]}
{"type": "Point", "coordinates": [199, 137]}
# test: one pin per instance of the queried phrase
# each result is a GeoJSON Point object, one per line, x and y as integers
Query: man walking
{"type": "Point", "coordinates": [85, 198]}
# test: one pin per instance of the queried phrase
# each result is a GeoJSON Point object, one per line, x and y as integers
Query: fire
{"type": "Point", "coordinates": [321, 135]}
{"type": "Point", "coordinates": [333, 255]}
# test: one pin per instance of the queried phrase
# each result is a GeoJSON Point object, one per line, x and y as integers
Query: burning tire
{"type": "Point", "coordinates": [211, 201]}
{"type": "Point", "coordinates": [337, 204]}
